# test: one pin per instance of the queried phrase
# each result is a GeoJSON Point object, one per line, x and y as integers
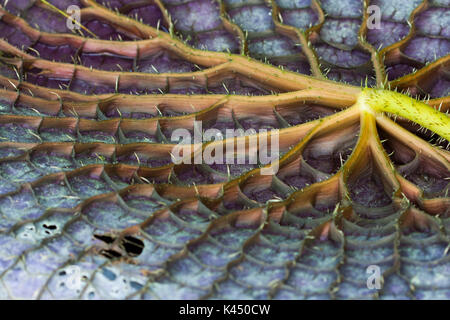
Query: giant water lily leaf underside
{"type": "Point", "coordinates": [93, 207]}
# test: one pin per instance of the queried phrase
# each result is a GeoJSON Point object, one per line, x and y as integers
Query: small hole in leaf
{"type": "Point", "coordinates": [133, 246]}
{"type": "Point", "coordinates": [50, 227]}
{"type": "Point", "coordinates": [104, 238]}
{"type": "Point", "coordinates": [110, 254]}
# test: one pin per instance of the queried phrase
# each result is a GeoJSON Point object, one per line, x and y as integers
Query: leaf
{"type": "Point", "coordinates": [93, 206]}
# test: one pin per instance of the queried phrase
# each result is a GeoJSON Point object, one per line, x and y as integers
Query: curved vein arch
{"type": "Point", "coordinates": [377, 58]}
{"type": "Point", "coordinates": [205, 56]}
{"type": "Point", "coordinates": [395, 46]}
{"type": "Point", "coordinates": [420, 78]}
{"type": "Point", "coordinates": [303, 37]}
{"type": "Point", "coordinates": [282, 79]}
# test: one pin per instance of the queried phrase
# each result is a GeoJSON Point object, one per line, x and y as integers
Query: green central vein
{"type": "Point", "coordinates": [379, 100]}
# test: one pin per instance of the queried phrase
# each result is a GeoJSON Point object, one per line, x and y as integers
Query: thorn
{"type": "Point", "coordinates": [137, 157]}
{"type": "Point", "coordinates": [145, 180]}
{"type": "Point", "coordinates": [154, 68]}
{"type": "Point", "coordinates": [226, 89]}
